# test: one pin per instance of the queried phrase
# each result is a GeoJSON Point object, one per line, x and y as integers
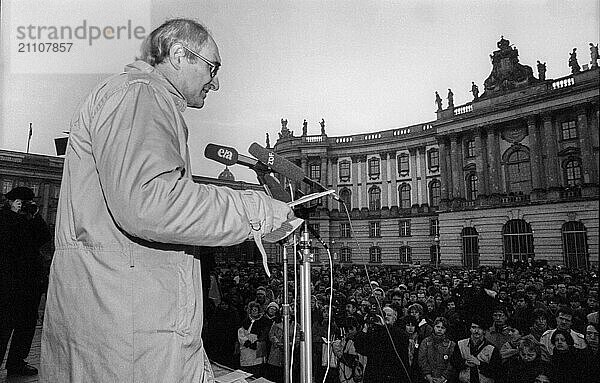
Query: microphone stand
{"type": "Point", "coordinates": [305, 308]}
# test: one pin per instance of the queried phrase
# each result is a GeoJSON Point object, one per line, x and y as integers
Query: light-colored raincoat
{"type": "Point", "coordinates": [124, 302]}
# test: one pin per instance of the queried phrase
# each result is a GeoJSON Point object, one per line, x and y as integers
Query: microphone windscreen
{"type": "Point", "coordinates": [277, 162]}
{"type": "Point", "coordinates": [223, 154]}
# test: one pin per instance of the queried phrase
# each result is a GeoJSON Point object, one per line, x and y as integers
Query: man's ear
{"type": "Point", "coordinates": [176, 55]}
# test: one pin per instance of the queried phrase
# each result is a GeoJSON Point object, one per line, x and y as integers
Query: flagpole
{"type": "Point", "coordinates": [29, 138]}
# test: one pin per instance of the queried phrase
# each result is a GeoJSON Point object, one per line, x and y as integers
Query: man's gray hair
{"type": "Point", "coordinates": [155, 48]}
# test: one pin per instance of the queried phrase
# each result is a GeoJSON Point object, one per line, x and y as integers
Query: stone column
{"type": "Point", "coordinates": [589, 167]}
{"type": "Point", "coordinates": [549, 139]}
{"type": "Point", "coordinates": [456, 164]}
{"type": "Point", "coordinates": [304, 165]}
{"type": "Point", "coordinates": [355, 181]}
{"type": "Point", "coordinates": [423, 190]}
{"type": "Point", "coordinates": [334, 174]}
{"type": "Point", "coordinates": [493, 149]}
{"type": "Point", "coordinates": [535, 150]}
{"type": "Point", "coordinates": [445, 175]}
{"type": "Point", "coordinates": [480, 163]}
{"type": "Point", "coordinates": [393, 189]}
{"type": "Point", "coordinates": [413, 176]}
{"type": "Point", "coordinates": [323, 179]}
{"type": "Point", "coordinates": [384, 179]}
{"type": "Point", "coordinates": [364, 177]}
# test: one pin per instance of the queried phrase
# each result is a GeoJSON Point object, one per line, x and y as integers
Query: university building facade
{"type": "Point", "coordinates": [510, 177]}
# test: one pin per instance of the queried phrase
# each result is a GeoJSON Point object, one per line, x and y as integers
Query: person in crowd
{"type": "Point", "coordinates": [564, 320]}
{"type": "Point", "coordinates": [424, 329]}
{"type": "Point", "coordinates": [386, 350]}
{"type": "Point", "coordinates": [323, 336]}
{"type": "Point", "coordinates": [22, 233]}
{"type": "Point", "coordinates": [252, 340]}
{"type": "Point", "coordinates": [540, 323]}
{"type": "Point", "coordinates": [351, 364]}
{"type": "Point", "coordinates": [435, 352]}
{"type": "Point", "coordinates": [566, 362]}
{"type": "Point", "coordinates": [591, 355]}
{"type": "Point", "coordinates": [511, 347]}
{"type": "Point", "coordinates": [527, 364]}
{"type": "Point", "coordinates": [523, 313]}
{"type": "Point", "coordinates": [220, 335]}
{"type": "Point", "coordinates": [129, 214]}
{"type": "Point", "coordinates": [261, 298]}
{"type": "Point", "coordinates": [409, 328]}
{"type": "Point", "coordinates": [475, 359]}
{"type": "Point", "coordinates": [497, 334]}
{"type": "Point", "coordinates": [275, 361]}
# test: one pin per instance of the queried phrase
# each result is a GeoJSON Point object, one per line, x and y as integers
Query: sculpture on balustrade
{"type": "Point", "coordinates": [507, 73]}
{"type": "Point", "coordinates": [268, 141]}
{"type": "Point", "coordinates": [285, 132]}
{"type": "Point", "coordinates": [438, 101]}
{"type": "Point", "coordinates": [475, 91]}
{"type": "Point", "coordinates": [304, 128]}
{"type": "Point", "coordinates": [594, 55]}
{"type": "Point", "coordinates": [322, 123]}
{"type": "Point", "coordinates": [573, 64]}
{"type": "Point", "coordinates": [541, 67]}
{"type": "Point", "coordinates": [450, 99]}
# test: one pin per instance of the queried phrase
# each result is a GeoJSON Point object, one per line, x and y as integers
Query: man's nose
{"type": "Point", "coordinates": [214, 84]}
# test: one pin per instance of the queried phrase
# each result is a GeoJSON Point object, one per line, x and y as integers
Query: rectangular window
{"type": "Point", "coordinates": [345, 230]}
{"type": "Point", "coordinates": [375, 254]}
{"type": "Point", "coordinates": [403, 164]}
{"type": "Point", "coordinates": [470, 148]}
{"type": "Point", "coordinates": [346, 255]}
{"type": "Point", "coordinates": [344, 170]}
{"type": "Point", "coordinates": [433, 159]}
{"type": "Point", "coordinates": [374, 168]}
{"type": "Point", "coordinates": [405, 254]}
{"type": "Point", "coordinates": [374, 229]}
{"type": "Point", "coordinates": [314, 227]}
{"type": "Point", "coordinates": [568, 130]}
{"type": "Point", "coordinates": [315, 172]}
{"type": "Point", "coordinates": [405, 227]}
{"type": "Point", "coordinates": [316, 254]}
{"type": "Point", "coordinates": [434, 227]}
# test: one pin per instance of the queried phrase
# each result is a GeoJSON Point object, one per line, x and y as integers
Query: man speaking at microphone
{"type": "Point", "coordinates": [124, 301]}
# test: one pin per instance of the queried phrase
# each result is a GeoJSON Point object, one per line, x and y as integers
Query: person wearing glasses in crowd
{"type": "Point", "coordinates": [124, 301]}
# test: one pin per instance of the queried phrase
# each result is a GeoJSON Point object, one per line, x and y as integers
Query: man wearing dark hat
{"type": "Point", "coordinates": [22, 233]}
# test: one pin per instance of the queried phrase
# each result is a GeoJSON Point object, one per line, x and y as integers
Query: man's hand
{"type": "Point", "coordinates": [472, 361]}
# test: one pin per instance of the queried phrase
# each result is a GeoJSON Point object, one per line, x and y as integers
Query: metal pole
{"type": "Point", "coordinates": [29, 138]}
{"type": "Point", "coordinates": [305, 307]}
{"type": "Point", "coordinates": [286, 319]}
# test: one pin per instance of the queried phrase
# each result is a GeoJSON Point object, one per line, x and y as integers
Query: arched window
{"type": "Point", "coordinates": [518, 171]}
{"type": "Point", "coordinates": [403, 165]}
{"type": "Point", "coordinates": [374, 168]}
{"type": "Point", "coordinates": [346, 197]}
{"type": "Point", "coordinates": [471, 186]}
{"type": "Point", "coordinates": [374, 198]}
{"type": "Point", "coordinates": [575, 248]}
{"type": "Point", "coordinates": [405, 254]}
{"type": "Point", "coordinates": [375, 254]}
{"type": "Point", "coordinates": [404, 191]}
{"type": "Point", "coordinates": [435, 188]}
{"type": "Point", "coordinates": [572, 168]}
{"type": "Point", "coordinates": [470, 244]}
{"type": "Point", "coordinates": [518, 241]}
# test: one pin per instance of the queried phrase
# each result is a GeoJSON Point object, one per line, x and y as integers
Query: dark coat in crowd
{"type": "Point", "coordinates": [567, 366]}
{"type": "Point", "coordinates": [516, 370]}
{"type": "Point", "coordinates": [383, 365]}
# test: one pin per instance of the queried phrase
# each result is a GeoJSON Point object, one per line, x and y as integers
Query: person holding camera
{"type": "Point", "coordinates": [385, 347]}
{"type": "Point", "coordinates": [22, 232]}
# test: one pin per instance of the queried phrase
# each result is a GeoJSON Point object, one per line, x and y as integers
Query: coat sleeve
{"type": "Point", "coordinates": [423, 360]}
{"type": "Point", "coordinates": [136, 146]}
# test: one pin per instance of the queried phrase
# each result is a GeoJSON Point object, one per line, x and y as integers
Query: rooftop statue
{"type": "Point", "coordinates": [573, 64]}
{"type": "Point", "coordinates": [507, 72]}
{"type": "Point", "coordinates": [285, 132]}
{"type": "Point", "coordinates": [541, 67]}
{"type": "Point", "coordinates": [438, 101]}
{"type": "Point", "coordinates": [594, 55]}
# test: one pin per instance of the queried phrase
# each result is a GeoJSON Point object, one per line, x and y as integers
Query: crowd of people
{"type": "Point", "coordinates": [421, 324]}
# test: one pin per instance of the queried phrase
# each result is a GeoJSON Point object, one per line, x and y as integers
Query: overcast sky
{"type": "Point", "coordinates": [361, 65]}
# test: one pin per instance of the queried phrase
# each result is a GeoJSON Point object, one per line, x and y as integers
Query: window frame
{"type": "Point", "coordinates": [404, 228]}
{"type": "Point", "coordinates": [374, 229]}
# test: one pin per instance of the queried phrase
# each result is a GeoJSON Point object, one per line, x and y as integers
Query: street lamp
{"type": "Point", "coordinates": [436, 239]}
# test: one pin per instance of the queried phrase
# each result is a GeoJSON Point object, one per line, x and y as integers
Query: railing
{"type": "Point", "coordinates": [573, 192]}
{"type": "Point", "coordinates": [373, 136]}
{"type": "Point", "coordinates": [462, 109]}
{"type": "Point", "coordinates": [515, 198]}
{"type": "Point", "coordinates": [563, 82]}
{"type": "Point", "coordinates": [401, 132]}
{"type": "Point", "coordinates": [313, 139]}
{"type": "Point", "coordinates": [343, 140]}
{"type": "Point", "coordinates": [426, 126]}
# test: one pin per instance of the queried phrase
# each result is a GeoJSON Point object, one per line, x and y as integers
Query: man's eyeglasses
{"type": "Point", "coordinates": [214, 67]}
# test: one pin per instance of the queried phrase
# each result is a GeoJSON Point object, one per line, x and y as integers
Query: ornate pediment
{"type": "Point", "coordinates": [507, 72]}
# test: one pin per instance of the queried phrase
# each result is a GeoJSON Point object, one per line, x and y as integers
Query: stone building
{"type": "Point", "coordinates": [511, 176]}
